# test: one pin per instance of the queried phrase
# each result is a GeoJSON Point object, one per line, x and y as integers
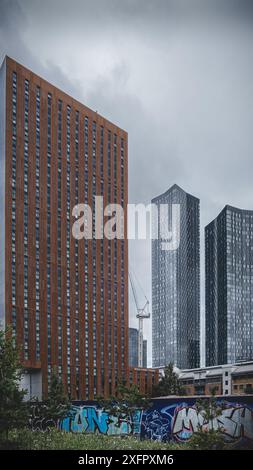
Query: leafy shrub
{"type": "Point", "coordinates": [56, 439]}
{"type": "Point", "coordinates": [207, 440]}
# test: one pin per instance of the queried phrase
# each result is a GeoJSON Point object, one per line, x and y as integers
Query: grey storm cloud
{"type": "Point", "coordinates": [176, 74]}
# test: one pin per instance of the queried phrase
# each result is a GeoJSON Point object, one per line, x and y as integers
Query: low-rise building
{"type": "Point", "coordinates": [242, 379]}
{"type": "Point", "coordinates": [226, 379]}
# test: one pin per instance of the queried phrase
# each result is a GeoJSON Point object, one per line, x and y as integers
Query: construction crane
{"type": "Point", "coordinates": [142, 313]}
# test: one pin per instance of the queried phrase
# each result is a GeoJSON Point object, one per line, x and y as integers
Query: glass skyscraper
{"type": "Point", "coordinates": [229, 287]}
{"type": "Point", "coordinates": [133, 348]}
{"type": "Point", "coordinates": [176, 285]}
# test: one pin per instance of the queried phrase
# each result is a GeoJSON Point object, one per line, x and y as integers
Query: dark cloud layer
{"type": "Point", "coordinates": [176, 74]}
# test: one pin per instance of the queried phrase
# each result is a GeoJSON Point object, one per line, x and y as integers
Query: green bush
{"type": "Point", "coordinates": [207, 440]}
{"type": "Point", "coordinates": [55, 439]}
{"type": "Point", "coordinates": [14, 412]}
{"type": "Point", "coordinates": [60, 440]}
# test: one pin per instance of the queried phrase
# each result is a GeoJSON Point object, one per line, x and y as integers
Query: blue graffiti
{"type": "Point", "coordinates": [165, 420]}
{"type": "Point", "coordinates": [93, 419]}
{"type": "Point", "coordinates": [180, 420]}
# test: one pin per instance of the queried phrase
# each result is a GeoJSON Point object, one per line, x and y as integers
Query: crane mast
{"type": "Point", "coordinates": [142, 313]}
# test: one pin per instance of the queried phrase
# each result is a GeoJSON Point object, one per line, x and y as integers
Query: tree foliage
{"type": "Point", "coordinates": [210, 433]}
{"type": "Point", "coordinates": [123, 407]}
{"type": "Point", "coordinates": [210, 409]}
{"type": "Point", "coordinates": [169, 384]}
{"type": "Point", "coordinates": [13, 410]}
{"type": "Point", "coordinates": [57, 406]}
{"type": "Point", "coordinates": [211, 439]}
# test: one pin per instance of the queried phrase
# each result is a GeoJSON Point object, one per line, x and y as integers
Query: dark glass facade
{"type": "Point", "coordinates": [229, 287]}
{"type": "Point", "coordinates": [133, 348]}
{"type": "Point", "coordinates": [176, 286]}
{"type": "Point", "coordinates": [145, 353]}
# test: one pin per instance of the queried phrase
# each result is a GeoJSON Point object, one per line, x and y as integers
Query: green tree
{"type": "Point", "coordinates": [169, 384]}
{"type": "Point", "coordinates": [125, 406]}
{"type": "Point", "coordinates": [13, 410]}
{"type": "Point", "coordinates": [210, 433]}
{"type": "Point", "coordinates": [57, 406]}
{"type": "Point", "coordinates": [210, 409]}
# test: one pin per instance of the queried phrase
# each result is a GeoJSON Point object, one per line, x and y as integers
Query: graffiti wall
{"type": "Point", "coordinates": [166, 419]}
{"type": "Point", "coordinates": [170, 420]}
{"type": "Point", "coordinates": [87, 417]}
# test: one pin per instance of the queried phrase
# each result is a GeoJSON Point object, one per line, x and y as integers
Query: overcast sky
{"type": "Point", "coordinates": [177, 75]}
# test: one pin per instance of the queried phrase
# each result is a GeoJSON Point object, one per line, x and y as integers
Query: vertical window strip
{"type": "Point", "coordinates": [59, 299]}
{"type": "Point", "coordinates": [115, 165]}
{"type": "Point", "coordinates": [109, 166]}
{"type": "Point", "coordinates": [122, 158]}
{"type": "Point", "coordinates": [37, 223]}
{"type": "Point", "coordinates": [115, 305]}
{"type": "Point", "coordinates": [86, 282]}
{"type": "Point", "coordinates": [101, 152]}
{"type": "Point", "coordinates": [49, 128]}
{"type": "Point", "coordinates": [102, 247]}
{"type": "Point", "coordinates": [26, 163]}
{"type": "Point", "coordinates": [122, 256]}
{"type": "Point", "coordinates": [109, 261]}
{"type": "Point", "coordinates": [115, 285]}
{"type": "Point", "coordinates": [13, 212]}
{"type": "Point", "coordinates": [94, 279]}
{"type": "Point", "coordinates": [76, 256]}
{"type": "Point", "coordinates": [68, 248]}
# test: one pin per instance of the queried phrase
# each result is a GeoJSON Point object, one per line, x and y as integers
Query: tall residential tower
{"type": "Point", "coordinates": [66, 299]}
{"type": "Point", "coordinates": [176, 285]}
{"type": "Point", "coordinates": [229, 287]}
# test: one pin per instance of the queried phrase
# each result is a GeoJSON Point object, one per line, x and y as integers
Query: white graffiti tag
{"type": "Point", "coordinates": [235, 422]}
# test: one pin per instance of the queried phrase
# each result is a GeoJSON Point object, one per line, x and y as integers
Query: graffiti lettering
{"type": "Point", "coordinates": [235, 422]}
{"type": "Point", "coordinates": [94, 419]}
{"type": "Point", "coordinates": [175, 421]}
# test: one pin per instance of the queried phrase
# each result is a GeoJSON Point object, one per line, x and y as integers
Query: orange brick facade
{"type": "Point", "coordinates": [66, 315]}
{"type": "Point", "coordinates": [145, 379]}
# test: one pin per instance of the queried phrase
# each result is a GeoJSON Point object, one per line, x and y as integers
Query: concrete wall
{"type": "Point", "coordinates": [32, 383]}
